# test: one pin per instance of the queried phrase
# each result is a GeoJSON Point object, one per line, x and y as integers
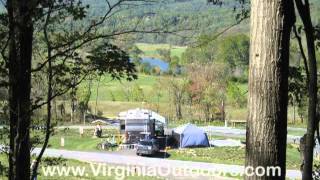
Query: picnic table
{"type": "Point", "coordinates": [234, 122]}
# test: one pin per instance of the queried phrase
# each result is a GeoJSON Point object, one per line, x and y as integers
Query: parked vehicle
{"type": "Point", "coordinates": [148, 147]}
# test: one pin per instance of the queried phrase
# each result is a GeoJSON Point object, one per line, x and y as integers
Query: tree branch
{"type": "Point", "coordinates": [305, 60]}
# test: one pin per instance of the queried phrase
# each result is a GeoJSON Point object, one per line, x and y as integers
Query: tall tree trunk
{"type": "Point", "coordinates": [97, 95]}
{"type": "Point", "coordinates": [271, 23]}
{"type": "Point", "coordinates": [73, 102]}
{"type": "Point", "coordinates": [304, 12]}
{"type": "Point", "coordinates": [20, 56]}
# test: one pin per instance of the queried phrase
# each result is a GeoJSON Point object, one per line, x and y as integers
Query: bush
{"type": "Point", "coordinates": [53, 161]}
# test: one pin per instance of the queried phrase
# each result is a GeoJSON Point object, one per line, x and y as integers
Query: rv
{"type": "Point", "coordinates": [136, 124]}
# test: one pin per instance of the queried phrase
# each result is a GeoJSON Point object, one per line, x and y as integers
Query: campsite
{"type": "Point", "coordinates": [159, 89]}
{"type": "Point", "coordinates": [187, 142]}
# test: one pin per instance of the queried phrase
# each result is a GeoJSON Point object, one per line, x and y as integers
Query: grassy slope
{"type": "Point", "coordinates": [107, 87]}
{"type": "Point", "coordinates": [112, 95]}
{"type": "Point", "coordinates": [150, 50]}
{"type": "Point", "coordinates": [111, 106]}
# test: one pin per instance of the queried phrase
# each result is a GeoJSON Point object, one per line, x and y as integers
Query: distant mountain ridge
{"type": "Point", "coordinates": [187, 14]}
{"type": "Point", "coordinates": [197, 15]}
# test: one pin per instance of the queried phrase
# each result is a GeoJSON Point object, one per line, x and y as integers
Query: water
{"type": "Point", "coordinates": [163, 65]}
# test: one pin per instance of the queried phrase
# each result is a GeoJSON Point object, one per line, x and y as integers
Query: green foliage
{"type": "Point", "coordinates": [145, 68]}
{"type": "Point", "coordinates": [177, 90]}
{"type": "Point", "coordinates": [4, 169]}
{"type": "Point", "coordinates": [135, 54]}
{"type": "Point", "coordinates": [137, 93]}
{"type": "Point", "coordinates": [180, 17]}
{"type": "Point", "coordinates": [108, 58]}
{"type": "Point", "coordinates": [54, 161]}
{"type": "Point", "coordinates": [165, 54]}
{"type": "Point", "coordinates": [236, 96]}
{"type": "Point", "coordinates": [296, 85]}
{"type": "Point", "coordinates": [232, 51]}
{"type": "Point", "coordinates": [207, 88]}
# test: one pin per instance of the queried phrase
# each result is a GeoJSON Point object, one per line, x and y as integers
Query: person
{"type": "Point", "coordinates": [98, 130]}
{"type": "Point", "coordinates": [81, 131]}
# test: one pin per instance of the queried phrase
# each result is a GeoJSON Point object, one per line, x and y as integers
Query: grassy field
{"type": "Point", "coordinates": [73, 140]}
{"type": "Point", "coordinates": [114, 90]}
{"type": "Point", "coordinates": [227, 155]}
{"type": "Point", "coordinates": [150, 50]}
{"type": "Point", "coordinates": [114, 96]}
{"type": "Point", "coordinates": [88, 173]}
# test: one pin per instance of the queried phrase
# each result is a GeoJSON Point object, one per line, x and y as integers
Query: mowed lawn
{"type": "Point", "coordinates": [73, 140]}
{"type": "Point", "coordinates": [88, 170]}
{"type": "Point", "coordinates": [114, 96]}
{"type": "Point", "coordinates": [222, 155]}
{"type": "Point", "coordinates": [150, 50]}
{"type": "Point", "coordinates": [227, 155]}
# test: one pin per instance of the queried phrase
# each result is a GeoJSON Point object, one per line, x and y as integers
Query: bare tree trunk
{"type": "Point", "coordinates": [178, 108]}
{"type": "Point", "coordinates": [73, 103]}
{"type": "Point", "coordinates": [271, 23]}
{"type": "Point", "coordinates": [304, 12]}
{"type": "Point", "coordinates": [223, 112]}
{"type": "Point", "coordinates": [20, 57]}
{"type": "Point", "coordinates": [97, 94]}
{"type": "Point", "coordinates": [294, 113]}
{"type": "Point", "coordinates": [54, 101]}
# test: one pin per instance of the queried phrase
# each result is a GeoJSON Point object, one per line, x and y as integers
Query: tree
{"type": "Point", "coordinates": [20, 16]}
{"type": "Point", "coordinates": [234, 50]}
{"type": "Point", "coordinates": [135, 54]}
{"type": "Point", "coordinates": [297, 94]}
{"type": "Point", "coordinates": [237, 97]}
{"type": "Point", "coordinates": [207, 88]}
{"type": "Point", "coordinates": [165, 54]}
{"type": "Point", "coordinates": [137, 93]}
{"type": "Point", "coordinates": [84, 98]}
{"type": "Point", "coordinates": [56, 27]}
{"type": "Point", "coordinates": [177, 89]}
{"type": "Point", "coordinates": [305, 15]}
{"type": "Point", "coordinates": [271, 23]}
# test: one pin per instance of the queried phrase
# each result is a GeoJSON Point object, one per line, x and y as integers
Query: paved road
{"type": "Point", "coordinates": [129, 160]}
{"type": "Point", "coordinates": [87, 127]}
{"type": "Point", "coordinates": [240, 133]}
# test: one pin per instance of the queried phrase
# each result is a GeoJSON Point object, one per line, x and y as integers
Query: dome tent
{"type": "Point", "coordinates": [190, 135]}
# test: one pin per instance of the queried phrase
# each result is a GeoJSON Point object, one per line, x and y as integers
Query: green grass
{"type": "Point", "coordinates": [227, 155]}
{"type": "Point", "coordinates": [88, 170]}
{"type": "Point", "coordinates": [211, 155]}
{"type": "Point", "coordinates": [114, 90]}
{"type": "Point", "coordinates": [296, 133]}
{"type": "Point", "coordinates": [114, 96]}
{"type": "Point", "coordinates": [73, 140]}
{"type": "Point", "coordinates": [150, 50]}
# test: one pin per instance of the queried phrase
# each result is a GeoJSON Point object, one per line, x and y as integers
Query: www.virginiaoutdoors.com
{"type": "Point", "coordinates": [120, 172]}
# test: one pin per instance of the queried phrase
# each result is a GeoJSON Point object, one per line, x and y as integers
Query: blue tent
{"type": "Point", "coordinates": [191, 136]}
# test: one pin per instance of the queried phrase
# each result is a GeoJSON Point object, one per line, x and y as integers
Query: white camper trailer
{"type": "Point", "coordinates": [136, 124]}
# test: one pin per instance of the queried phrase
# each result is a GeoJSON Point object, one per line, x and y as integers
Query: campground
{"type": "Point", "coordinates": [224, 155]}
